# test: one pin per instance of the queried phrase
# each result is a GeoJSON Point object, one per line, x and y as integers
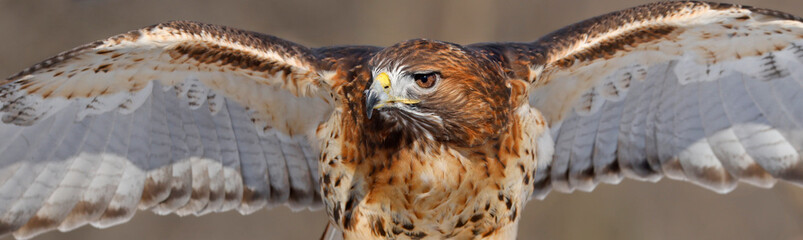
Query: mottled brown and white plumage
{"type": "Point", "coordinates": [421, 140]}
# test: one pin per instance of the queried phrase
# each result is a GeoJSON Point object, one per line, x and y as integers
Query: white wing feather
{"type": "Point", "coordinates": [144, 120]}
{"type": "Point", "coordinates": [692, 91]}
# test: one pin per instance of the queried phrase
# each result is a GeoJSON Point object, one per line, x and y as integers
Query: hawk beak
{"type": "Point", "coordinates": [371, 100]}
{"type": "Point", "coordinates": [377, 100]}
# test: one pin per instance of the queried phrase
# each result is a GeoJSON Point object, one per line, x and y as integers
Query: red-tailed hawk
{"type": "Point", "coordinates": [423, 139]}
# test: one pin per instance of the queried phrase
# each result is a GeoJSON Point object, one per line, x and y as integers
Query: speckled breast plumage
{"type": "Point", "coordinates": [426, 192]}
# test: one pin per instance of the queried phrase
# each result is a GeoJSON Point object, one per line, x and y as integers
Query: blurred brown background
{"type": "Point", "coordinates": [32, 30]}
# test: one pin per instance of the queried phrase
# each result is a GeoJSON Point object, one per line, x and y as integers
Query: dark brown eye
{"type": "Point", "coordinates": [425, 80]}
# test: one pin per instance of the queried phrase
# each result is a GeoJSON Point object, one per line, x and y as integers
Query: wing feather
{"type": "Point", "coordinates": [199, 187]}
{"type": "Point", "coordinates": [694, 91]}
{"type": "Point", "coordinates": [783, 117]}
{"type": "Point", "coordinates": [180, 183]}
{"type": "Point", "coordinates": [560, 165]}
{"type": "Point", "coordinates": [582, 149]}
{"type": "Point", "coordinates": [761, 140]}
{"type": "Point", "coordinates": [299, 171]}
{"type": "Point", "coordinates": [698, 160]}
{"type": "Point", "coordinates": [256, 188]}
{"type": "Point", "coordinates": [665, 139]}
{"type": "Point", "coordinates": [604, 145]}
{"type": "Point", "coordinates": [311, 155]}
{"type": "Point", "coordinates": [79, 172]}
{"type": "Point", "coordinates": [278, 171]}
{"type": "Point", "coordinates": [211, 155]}
{"type": "Point", "coordinates": [651, 144]}
{"type": "Point", "coordinates": [631, 138]}
{"type": "Point", "coordinates": [102, 186]}
{"type": "Point", "coordinates": [131, 187]}
{"type": "Point", "coordinates": [47, 179]}
{"type": "Point", "coordinates": [25, 170]}
{"type": "Point", "coordinates": [179, 117]}
{"type": "Point", "coordinates": [230, 158]}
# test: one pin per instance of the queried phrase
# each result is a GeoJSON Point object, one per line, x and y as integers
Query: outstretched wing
{"type": "Point", "coordinates": [178, 117]}
{"type": "Point", "coordinates": [703, 92]}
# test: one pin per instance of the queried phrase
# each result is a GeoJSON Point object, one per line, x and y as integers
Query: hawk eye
{"type": "Point", "coordinates": [425, 80]}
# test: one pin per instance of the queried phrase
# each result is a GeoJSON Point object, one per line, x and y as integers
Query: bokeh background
{"type": "Point", "coordinates": [32, 30]}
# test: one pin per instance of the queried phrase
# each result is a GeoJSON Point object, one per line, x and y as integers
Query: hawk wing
{"type": "Point", "coordinates": [702, 92]}
{"type": "Point", "coordinates": [178, 117]}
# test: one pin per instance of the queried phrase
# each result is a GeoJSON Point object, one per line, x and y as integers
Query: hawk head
{"type": "Point", "coordinates": [425, 89]}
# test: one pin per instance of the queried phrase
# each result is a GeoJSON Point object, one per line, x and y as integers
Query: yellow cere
{"type": "Point", "coordinates": [384, 80]}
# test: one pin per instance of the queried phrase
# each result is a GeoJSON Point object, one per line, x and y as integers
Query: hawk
{"type": "Point", "coordinates": [420, 140]}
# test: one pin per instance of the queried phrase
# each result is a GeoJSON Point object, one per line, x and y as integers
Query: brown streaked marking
{"type": "Point", "coordinates": [86, 208]}
{"type": "Point", "coordinates": [416, 235]}
{"type": "Point", "coordinates": [6, 227]}
{"type": "Point", "coordinates": [215, 195]}
{"type": "Point", "coordinates": [326, 178]}
{"type": "Point", "coordinates": [34, 89]}
{"type": "Point", "coordinates": [152, 189]}
{"type": "Point", "coordinates": [227, 56]}
{"type": "Point", "coordinates": [28, 83]}
{"type": "Point", "coordinates": [379, 227]}
{"type": "Point", "coordinates": [477, 217]}
{"type": "Point", "coordinates": [336, 211]}
{"type": "Point", "coordinates": [755, 171]}
{"type": "Point", "coordinates": [250, 196]}
{"type": "Point", "coordinates": [514, 215]}
{"type": "Point", "coordinates": [607, 48]}
{"type": "Point", "coordinates": [38, 224]}
{"type": "Point", "coordinates": [81, 212]}
{"type": "Point", "coordinates": [349, 220]}
{"type": "Point", "coordinates": [198, 194]}
{"type": "Point", "coordinates": [104, 91]}
{"type": "Point", "coordinates": [716, 175]}
{"type": "Point", "coordinates": [489, 232]}
{"type": "Point", "coordinates": [460, 223]}
{"type": "Point", "coordinates": [409, 226]}
{"type": "Point", "coordinates": [115, 213]}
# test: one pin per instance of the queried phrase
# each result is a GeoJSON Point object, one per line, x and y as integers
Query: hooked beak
{"type": "Point", "coordinates": [379, 95]}
{"type": "Point", "coordinates": [371, 100]}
